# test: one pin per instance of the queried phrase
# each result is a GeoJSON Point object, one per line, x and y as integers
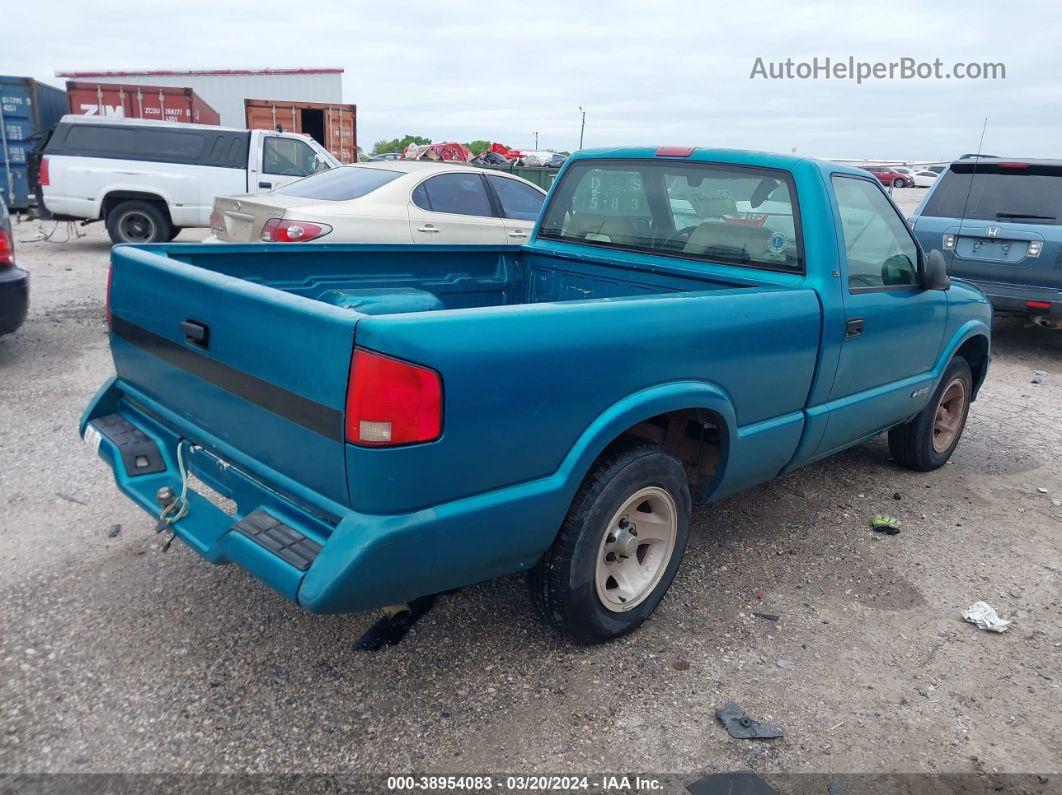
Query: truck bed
{"type": "Point", "coordinates": [461, 277]}
{"type": "Point", "coordinates": [521, 339]}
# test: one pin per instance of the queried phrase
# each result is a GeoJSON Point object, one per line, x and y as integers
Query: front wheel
{"type": "Point", "coordinates": [927, 441]}
{"type": "Point", "coordinates": [619, 547]}
{"type": "Point", "coordinates": [897, 183]}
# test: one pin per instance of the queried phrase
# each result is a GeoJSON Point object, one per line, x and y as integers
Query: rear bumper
{"type": "Point", "coordinates": [14, 298]}
{"type": "Point", "coordinates": [360, 561]}
{"type": "Point", "coordinates": [1012, 299]}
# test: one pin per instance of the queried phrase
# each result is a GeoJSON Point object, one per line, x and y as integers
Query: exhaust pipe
{"type": "Point", "coordinates": [1043, 321]}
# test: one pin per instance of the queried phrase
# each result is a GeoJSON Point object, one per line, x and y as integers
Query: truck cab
{"type": "Point", "coordinates": [147, 180]}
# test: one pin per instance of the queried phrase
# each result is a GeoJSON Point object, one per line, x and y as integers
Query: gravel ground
{"type": "Point", "coordinates": [115, 657]}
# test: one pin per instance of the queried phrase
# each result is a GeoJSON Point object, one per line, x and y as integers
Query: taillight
{"type": "Point", "coordinates": [45, 179]}
{"type": "Point", "coordinates": [1038, 304]}
{"type": "Point", "coordinates": [391, 402]}
{"type": "Point", "coordinates": [107, 304]}
{"type": "Point", "coordinates": [7, 249]}
{"type": "Point", "coordinates": [215, 220]}
{"type": "Point", "coordinates": [281, 230]}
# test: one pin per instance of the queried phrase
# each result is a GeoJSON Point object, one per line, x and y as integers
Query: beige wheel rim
{"type": "Point", "coordinates": [636, 548]}
{"type": "Point", "coordinates": [950, 411]}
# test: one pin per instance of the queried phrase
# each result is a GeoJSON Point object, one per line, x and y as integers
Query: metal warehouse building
{"type": "Point", "coordinates": [226, 89]}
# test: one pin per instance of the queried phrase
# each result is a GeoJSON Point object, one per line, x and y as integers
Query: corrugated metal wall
{"type": "Point", "coordinates": [226, 93]}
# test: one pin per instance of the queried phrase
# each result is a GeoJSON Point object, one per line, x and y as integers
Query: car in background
{"type": "Point", "coordinates": [386, 156]}
{"type": "Point", "coordinates": [924, 179]}
{"type": "Point", "coordinates": [14, 282]}
{"type": "Point", "coordinates": [999, 224]}
{"type": "Point", "coordinates": [888, 176]}
{"type": "Point", "coordinates": [404, 201]}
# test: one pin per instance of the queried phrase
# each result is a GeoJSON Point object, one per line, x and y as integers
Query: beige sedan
{"type": "Point", "coordinates": [386, 202]}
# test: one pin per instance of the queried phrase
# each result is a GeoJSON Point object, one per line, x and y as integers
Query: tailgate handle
{"type": "Point", "coordinates": [195, 332]}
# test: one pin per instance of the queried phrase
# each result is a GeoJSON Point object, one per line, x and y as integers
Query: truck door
{"type": "Point", "coordinates": [281, 160]}
{"type": "Point", "coordinates": [893, 328]}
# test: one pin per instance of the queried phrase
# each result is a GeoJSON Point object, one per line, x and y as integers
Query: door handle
{"type": "Point", "coordinates": [853, 328]}
{"type": "Point", "coordinates": [265, 184]}
{"type": "Point", "coordinates": [518, 234]}
{"type": "Point", "coordinates": [427, 228]}
{"type": "Point", "coordinates": [196, 333]}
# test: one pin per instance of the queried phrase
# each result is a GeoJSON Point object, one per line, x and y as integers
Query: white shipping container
{"type": "Point", "coordinates": [226, 89]}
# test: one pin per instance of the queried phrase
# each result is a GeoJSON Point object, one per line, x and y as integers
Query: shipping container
{"type": "Point", "coordinates": [226, 89]}
{"type": "Point", "coordinates": [130, 101]}
{"type": "Point", "coordinates": [27, 109]}
{"type": "Point", "coordinates": [334, 126]}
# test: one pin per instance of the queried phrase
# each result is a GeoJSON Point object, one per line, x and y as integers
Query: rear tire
{"type": "Point", "coordinates": [137, 221]}
{"type": "Point", "coordinates": [927, 441]}
{"type": "Point", "coordinates": [619, 547]}
{"type": "Point", "coordinates": [174, 231]}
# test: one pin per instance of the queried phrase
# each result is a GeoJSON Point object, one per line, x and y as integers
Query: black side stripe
{"type": "Point", "coordinates": [308, 413]}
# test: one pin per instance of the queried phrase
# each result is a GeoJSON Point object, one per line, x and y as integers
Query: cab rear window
{"type": "Point", "coordinates": [702, 211]}
{"type": "Point", "coordinates": [340, 184]}
{"type": "Point", "coordinates": [1018, 192]}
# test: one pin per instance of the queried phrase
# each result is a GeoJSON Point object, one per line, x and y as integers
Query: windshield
{"type": "Point", "coordinates": [1019, 192]}
{"type": "Point", "coordinates": [707, 211]}
{"type": "Point", "coordinates": [340, 184]}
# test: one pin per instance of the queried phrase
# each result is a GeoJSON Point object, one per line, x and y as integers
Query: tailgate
{"type": "Point", "coordinates": [255, 373]}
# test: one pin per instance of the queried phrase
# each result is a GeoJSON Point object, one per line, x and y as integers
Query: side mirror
{"type": "Point", "coordinates": [935, 276]}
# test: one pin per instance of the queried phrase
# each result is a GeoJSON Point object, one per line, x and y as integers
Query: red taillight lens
{"type": "Point", "coordinates": [107, 304]}
{"type": "Point", "coordinates": [7, 249]}
{"type": "Point", "coordinates": [45, 179]}
{"type": "Point", "coordinates": [215, 220]}
{"type": "Point", "coordinates": [391, 402]}
{"type": "Point", "coordinates": [1038, 304]}
{"type": "Point", "coordinates": [281, 230]}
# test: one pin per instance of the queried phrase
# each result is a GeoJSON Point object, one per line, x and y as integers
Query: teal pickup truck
{"type": "Point", "coordinates": [381, 423]}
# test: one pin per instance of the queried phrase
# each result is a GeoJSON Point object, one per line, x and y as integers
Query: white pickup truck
{"type": "Point", "coordinates": [149, 179]}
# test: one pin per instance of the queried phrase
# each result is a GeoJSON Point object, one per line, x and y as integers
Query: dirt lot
{"type": "Point", "coordinates": [116, 657]}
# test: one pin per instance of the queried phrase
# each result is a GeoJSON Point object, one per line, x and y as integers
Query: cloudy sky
{"type": "Point", "coordinates": [646, 73]}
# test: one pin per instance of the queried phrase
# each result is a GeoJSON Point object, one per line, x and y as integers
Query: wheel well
{"type": "Point", "coordinates": [975, 352]}
{"type": "Point", "coordinates": [116, 197]}
{"type": "Point", "coordinates": [695, 436]}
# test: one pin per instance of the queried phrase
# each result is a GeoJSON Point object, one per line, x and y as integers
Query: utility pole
{"type": "Point", "coordinates": [582, 127]}
{"type": "Point", "coordinates": [536, 139]}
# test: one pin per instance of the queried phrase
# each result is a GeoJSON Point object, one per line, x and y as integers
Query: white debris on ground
{"type": "Point", "coordinates": [985, 617]}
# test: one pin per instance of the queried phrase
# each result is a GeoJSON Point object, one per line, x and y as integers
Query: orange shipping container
{"type": "Point", "coordinates": [335, 127]}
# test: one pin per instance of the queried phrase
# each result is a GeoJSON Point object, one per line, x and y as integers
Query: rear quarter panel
{"type": "Point", "coordinates": [522, 384]}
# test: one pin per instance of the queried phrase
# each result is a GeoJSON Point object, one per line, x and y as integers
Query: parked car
{"type": "Point", "coordinates": [925, 179]}
{"type": "Point", "coordinates": [404, 201]}
{"type": "Point", "coordinates": [390, 422]}
{"type": "Point", "coordinates": [999, 224]}
{"type": "Point", "coordinates": [149, 179]}
{"type": "Point", "coordinates": [14, 282]}
{"type": "Point", "coordinates": [889, 176]}
{"type": "Point", "coordinates": [386, 156]}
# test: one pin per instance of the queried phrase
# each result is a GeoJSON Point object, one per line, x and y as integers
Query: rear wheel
{"type": "Point", "coordinates": [619, 547]}
{"type": "Point", "coordinates": [138, 221]}
{"type": "Point", "coordinates": [174, 231]}
{"type": "Point", "coordinates": [927, 441]}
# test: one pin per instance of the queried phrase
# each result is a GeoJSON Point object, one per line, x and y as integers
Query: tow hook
{"type": "Point", "coordinates": [166, 497]}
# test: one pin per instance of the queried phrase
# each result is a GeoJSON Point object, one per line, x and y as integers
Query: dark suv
{"type": "Point", "coordinates": [999, 223]}
{"type": "Point", "coordinates": [14, 282]}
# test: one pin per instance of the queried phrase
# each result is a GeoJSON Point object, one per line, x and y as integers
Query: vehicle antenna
{"type": "Point", "coordinates": [969, 188]}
